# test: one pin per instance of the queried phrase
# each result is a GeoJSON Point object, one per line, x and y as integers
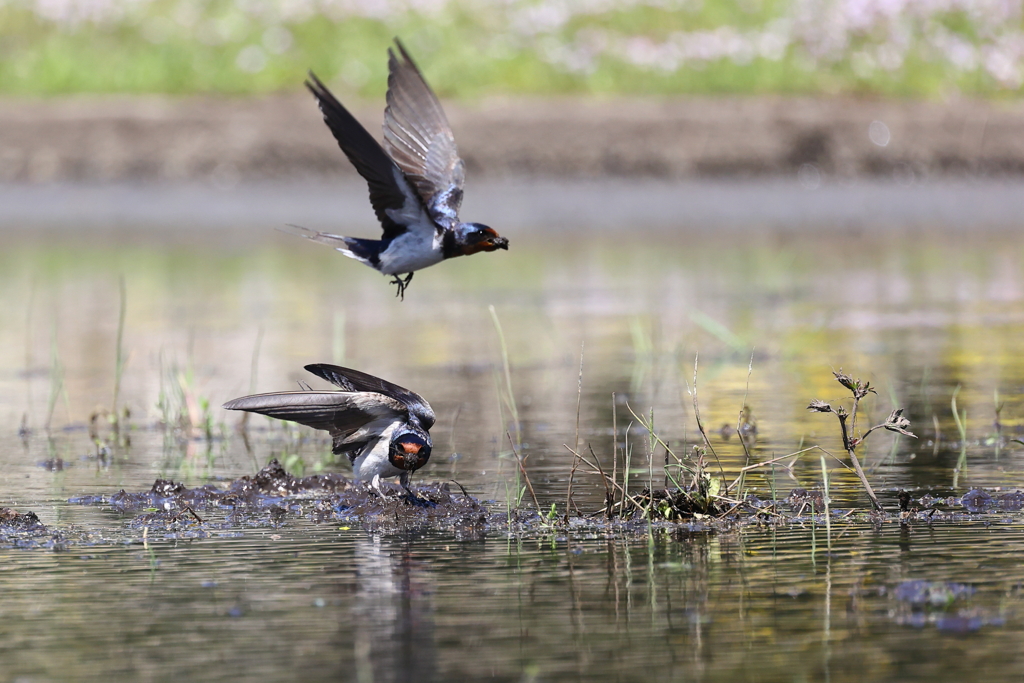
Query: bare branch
{"type": "Point", "coordinates": [519, 461]}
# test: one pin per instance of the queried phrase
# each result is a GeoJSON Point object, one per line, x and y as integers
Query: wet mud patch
{"type": "Point", "coordinates": [24, 530]}
{"type": "Point", "coordinates": [265, 489]}
{"type": "Point", "coordinates": [272, 498]}
{"type": "Point", "coordinates": [977, 501]}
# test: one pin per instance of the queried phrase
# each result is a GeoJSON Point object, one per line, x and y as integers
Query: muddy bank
{"type": "Point", "coordinates": [282, 137]}
{"type": "Point", "coordinates": [273, 498]}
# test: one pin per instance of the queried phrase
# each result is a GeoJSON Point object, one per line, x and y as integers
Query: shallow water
{"type": "Point", "coordinates": [314, 603]}
{"type": "Point", "coordinates": [768, 314]}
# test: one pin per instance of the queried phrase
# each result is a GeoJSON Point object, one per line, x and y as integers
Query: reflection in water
{"type": "Point", "coordinates": [313, 602]}
{"type": "Point", "coordinates": [392, 614]}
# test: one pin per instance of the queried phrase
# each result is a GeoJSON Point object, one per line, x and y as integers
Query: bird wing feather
{"type": "Point", "coordinates": [390, 192]}
{"type": "Point", "coordinates": [343, 414]}
{"type": "Point", "coordinates": [350, 380]}
{"type": "Point", "coordinates": [419, 139]}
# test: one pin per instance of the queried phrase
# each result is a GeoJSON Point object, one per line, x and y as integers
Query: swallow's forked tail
{"type": "Point", "coordinates": [354, 247]}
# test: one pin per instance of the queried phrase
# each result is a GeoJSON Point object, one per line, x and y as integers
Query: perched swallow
{"type": "Point", "coordinates": [382, 428]}
{"type": "Point", "coordinates": [415, 179]}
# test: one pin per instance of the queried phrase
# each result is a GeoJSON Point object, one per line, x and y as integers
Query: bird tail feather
{"type": "Point", "coordinates": [354, 247]}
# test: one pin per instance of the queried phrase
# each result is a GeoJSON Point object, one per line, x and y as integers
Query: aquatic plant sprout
{"type": "Point", "coordinates": [530, 45]}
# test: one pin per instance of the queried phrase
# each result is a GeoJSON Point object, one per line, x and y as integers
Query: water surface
{"type": "Point", "coordinates": [767, 313]}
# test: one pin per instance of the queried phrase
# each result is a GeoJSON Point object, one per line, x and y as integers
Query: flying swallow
{"type": "Point", "coordinates": [415, 179]}
{"type": "Point", "coordinates": [382, 428]}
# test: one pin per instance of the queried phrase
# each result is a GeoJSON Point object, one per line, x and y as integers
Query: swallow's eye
{"type": "Point", "coordinates": [482, 232]}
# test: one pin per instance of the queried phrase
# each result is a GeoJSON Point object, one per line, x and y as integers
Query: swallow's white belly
{"type": "Point", "coordinates": [414, 250]}
{"type": "Point", "coordinates": [373, 461]}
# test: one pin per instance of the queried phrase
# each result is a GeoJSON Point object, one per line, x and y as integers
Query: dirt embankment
{"type": "Point", "coordinates": [153, 138]}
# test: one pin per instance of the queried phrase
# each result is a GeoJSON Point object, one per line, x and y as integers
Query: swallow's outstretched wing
{"type": "Point", "coordinates": [349, 380]}
{"type": "Point", "coordinates": [394, 201]}
{"type": "Point", "coordinates": [418, 138]}
{"type": "Point", "coordinates": [352, 418]}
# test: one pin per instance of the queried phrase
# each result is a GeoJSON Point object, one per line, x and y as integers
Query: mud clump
{"type": "Point", "coordinates": [801, 500]}
{"type": "Point", "coordinates": [12, 520]}
{"type": "Point", "coordinates": [677, 504]}
{"type": "Point", "coordinates": [272, 497]}
{"type": "Point", "coordinates": [24, 530]}
{"type": "Point", "coordinates": [53, 465]}
{"type": "Point", "coordinates": [975, 501]}
{"type": "Point", "coordinates": [979, 500]}
{"type": "Point", "coordinates": [267, 486]}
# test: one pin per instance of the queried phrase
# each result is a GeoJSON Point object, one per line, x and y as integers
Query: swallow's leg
{"type": "Point", "coordinates": [402, 284]}
{"type": "Point", "coordinates": [375, 486]}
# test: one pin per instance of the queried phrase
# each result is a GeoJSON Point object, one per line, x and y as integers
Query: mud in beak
{"type": "Point", "coordinates": [409, 456]}
{"type": "Point", "coordinates": [489, 244]}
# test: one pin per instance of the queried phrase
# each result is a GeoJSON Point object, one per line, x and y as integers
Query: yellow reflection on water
{"type": "Point", "coordinates": [914, 316]}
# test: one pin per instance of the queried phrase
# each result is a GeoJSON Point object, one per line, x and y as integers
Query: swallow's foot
{"type": "Point", "coordinates": [402, 284]}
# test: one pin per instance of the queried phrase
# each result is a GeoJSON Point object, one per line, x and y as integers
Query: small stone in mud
{"type": "Point", "coordinates": [53, 464]}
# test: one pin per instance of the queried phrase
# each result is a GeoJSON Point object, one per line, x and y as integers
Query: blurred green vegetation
{"type": "Point", "coordinates": [472, 49]}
